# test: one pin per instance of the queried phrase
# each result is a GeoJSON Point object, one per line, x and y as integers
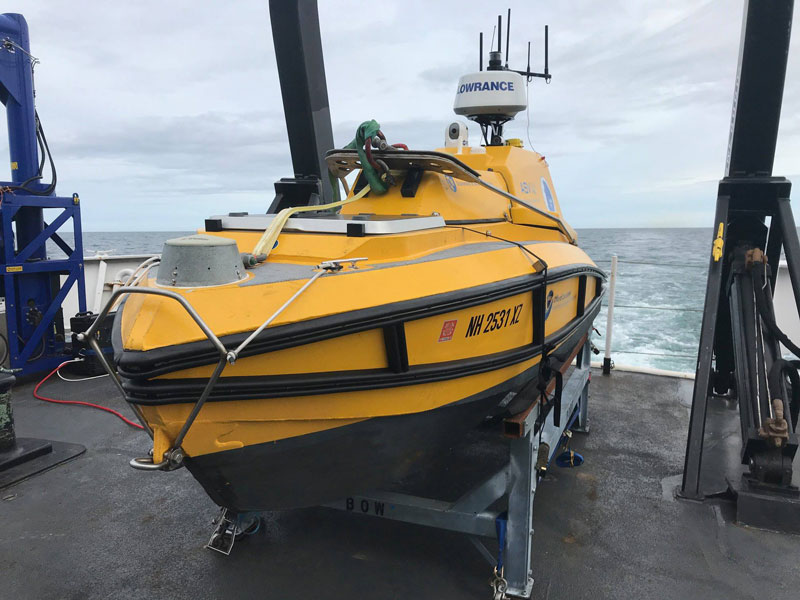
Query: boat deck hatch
{"type": "Point", "coordinates": [352, 225]}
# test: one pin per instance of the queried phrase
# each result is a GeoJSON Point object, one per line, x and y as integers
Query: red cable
{"type": "Point", "coordinates": [368, 150]}
{"type": "Point", "coordinates": [78, 402]}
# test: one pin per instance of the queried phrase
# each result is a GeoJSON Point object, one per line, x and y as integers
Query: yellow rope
{"type": "Point", "coordinates": [271, 233]}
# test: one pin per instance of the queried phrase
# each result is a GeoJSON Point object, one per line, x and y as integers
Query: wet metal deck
{"type": "Point", "coordinates": [94, 528]}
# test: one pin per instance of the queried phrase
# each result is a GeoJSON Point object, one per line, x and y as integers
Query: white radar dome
{"type": "Point", "coordinates": [498, 92]}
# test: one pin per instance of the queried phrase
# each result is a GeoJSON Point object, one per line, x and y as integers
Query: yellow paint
{"type": "Point", "coordinates": [14, 269]}
{"type": "Point", "coordinates": [364, 350]}
{"type": "Point", "coordinates": [591, 291]}
{"type": "Point", "coordinates": [152, 322]}
{"type": "Point", "coordinates": [510, 168]}
{"type": "Point", "coordinates": [14, 165]}
{"type": "Point", "coordinates": [423, 335]}
{"type": "Point", "coordinates": [399, 267]}
{"type": "Point", "coordinates": [716, 249]}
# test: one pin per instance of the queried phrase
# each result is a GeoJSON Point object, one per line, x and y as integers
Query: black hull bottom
{"type": "Point", "coordinates": [325, 466]}
{"type": "Point", "coordinates": [313, 469]}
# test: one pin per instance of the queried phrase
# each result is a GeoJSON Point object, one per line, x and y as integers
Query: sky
{"type": "Point", "coordinates": [161, 113]}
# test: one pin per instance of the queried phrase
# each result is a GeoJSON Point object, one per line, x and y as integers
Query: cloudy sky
{"type": "Point", "coordinates": [160, 113]}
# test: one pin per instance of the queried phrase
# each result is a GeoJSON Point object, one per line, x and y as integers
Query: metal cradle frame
{"type": "Point", "coordinates": [517, 481]}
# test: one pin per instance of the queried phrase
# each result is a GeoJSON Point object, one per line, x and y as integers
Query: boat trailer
{"type": "Point", "coordinates": [537, 436]}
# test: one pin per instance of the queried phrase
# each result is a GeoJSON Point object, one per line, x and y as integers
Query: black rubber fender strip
{"type": "Point", "coordinates": [171, 391]}
{"type": "Point", "coordinates": [168, 359]}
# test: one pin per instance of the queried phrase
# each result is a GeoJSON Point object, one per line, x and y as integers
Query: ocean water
{"type": "Point", "coordinates": [659, 295]}
{"type": "Point", "coordinates": [661, 285]}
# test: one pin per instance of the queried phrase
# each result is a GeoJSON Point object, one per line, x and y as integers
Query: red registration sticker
{"type": "Point", "coordinates": [448, 329]}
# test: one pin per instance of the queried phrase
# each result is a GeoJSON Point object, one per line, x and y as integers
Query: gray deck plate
{"type": "Point", "coordinates": [94, 528]}
{"type": "Point", "coordinates": [59, 453]}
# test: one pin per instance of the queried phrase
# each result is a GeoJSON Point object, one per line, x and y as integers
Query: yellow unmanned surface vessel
{"type": "Point", "coordinates": [353, 341]}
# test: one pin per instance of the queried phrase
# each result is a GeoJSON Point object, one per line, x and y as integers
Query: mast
{"type": "Point", "coordinates": [301, 71]}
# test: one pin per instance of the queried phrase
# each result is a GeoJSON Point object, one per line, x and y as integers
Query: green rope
{"type": "Point", "coordinates": [366, 129]}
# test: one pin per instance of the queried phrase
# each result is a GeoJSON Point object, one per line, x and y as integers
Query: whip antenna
{"type": "Point", "coordinates": [508, 35]}
{"type": "Point", "coordinates": [546, 45]}
{"type": "Point", "coordinates": [528, 70]}
{"type": "Point", "coordinates": [493, 97]}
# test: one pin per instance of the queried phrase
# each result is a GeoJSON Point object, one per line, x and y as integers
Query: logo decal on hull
{"type": "Point", "coordinates": [553, 300]}
{"type": "Point", "coordinates": [548, 196]}
{"type": "Point", "coordinates": [448, 329]}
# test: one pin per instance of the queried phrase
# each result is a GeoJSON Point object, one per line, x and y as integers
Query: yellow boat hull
{"type": "Point", "coordinates": [378, 366]}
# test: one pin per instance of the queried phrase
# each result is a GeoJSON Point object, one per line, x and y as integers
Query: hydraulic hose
{"type": "Point", "coordinates": [763, 303]}
{"type": "Point", "coordinates": [780, 367]}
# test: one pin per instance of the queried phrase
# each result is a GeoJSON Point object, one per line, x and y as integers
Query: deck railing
{"type": "Point", "coordinates": [611, 306]}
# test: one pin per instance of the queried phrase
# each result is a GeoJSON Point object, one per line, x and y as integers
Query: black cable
{"type": "Point", "coordinates": [762, 303]}
{"type": "Point", "coordinates": [780, 367]}
{"type": "Point", "coordinates": [521, 246]}
{"type": "Point", "coordinates": [512, 242]}
{"type": "Point", "coordinates": [5, 349]}
{"type": "Point", "coordinates": [41, 146]}
{"type": "Point", "coordinates": [42, 141]}
{"type": "Point", "coordinates": [40, 346]}
{"type": "Point", "coordinates": [543, 362]}
{"type": "Point", "coordinates": [51, 188]}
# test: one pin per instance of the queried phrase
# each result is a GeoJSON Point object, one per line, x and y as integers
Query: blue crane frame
{"type": "Point", "coordinates": [31, 283]}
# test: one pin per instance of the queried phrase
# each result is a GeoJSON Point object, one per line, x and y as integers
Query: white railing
{"type": "Point", "coordinates": [611, 304]}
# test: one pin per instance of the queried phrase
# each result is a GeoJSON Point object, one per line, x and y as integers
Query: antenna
{"type": "Point", "coordinates": [508, 35]}
{"type": "Point", "coordinates": [490, 112]}
{"type": "Point", "coordinates": [528, 70]}
{"type": "Point", "coordinates": [527, 73]}
{"type": "Point", "coordinates": [495, 56]}
{"type": "Point", "coordinates": [546, 44]}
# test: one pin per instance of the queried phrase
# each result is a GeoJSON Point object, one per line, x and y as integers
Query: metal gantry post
{"type": "Point", "coordinates": [301, 70]}
{"type": "Point", "coordinates": [30, 280]}
{"type": "Point", "coordinates": [737, 346]}
{"type": "Point", "coordinates": [690, 486]}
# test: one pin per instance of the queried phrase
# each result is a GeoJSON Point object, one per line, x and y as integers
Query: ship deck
{"type": "Point", "coordinates": [95, 528]}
